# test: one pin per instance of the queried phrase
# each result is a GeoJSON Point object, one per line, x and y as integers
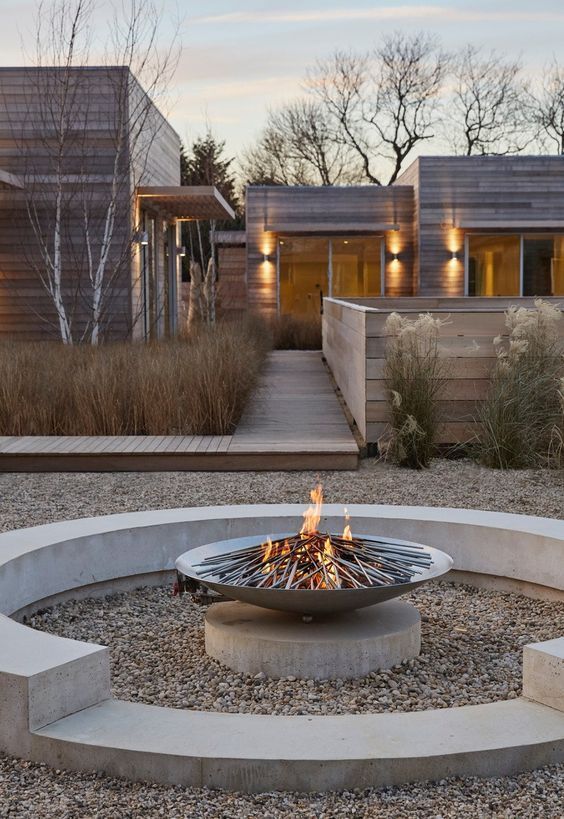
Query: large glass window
{"type": "Point", "coordinates": [304, 274]}
{"type": "Point", "coordinates": [311, 267]}
{"type": "Point", "coordinates": [543, 265]}
{"type": "Point", "coordinates": [494, 265]}
{"type": "Point", "coordinates": [356, 265]}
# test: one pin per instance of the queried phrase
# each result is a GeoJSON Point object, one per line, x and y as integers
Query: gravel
{"type": "Point", "coordinates": [471, 653]}
{"type": "Point", "coordinates": [35, 791]}
{"type": "Point", "coordinates": [32, 499]}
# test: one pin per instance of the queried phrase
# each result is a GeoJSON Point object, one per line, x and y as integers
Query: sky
{"type": "Point", "coordinates": [239, 58]}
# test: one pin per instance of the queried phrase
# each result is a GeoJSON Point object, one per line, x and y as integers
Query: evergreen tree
{"type": "Point", "coordinates": [205, 163]}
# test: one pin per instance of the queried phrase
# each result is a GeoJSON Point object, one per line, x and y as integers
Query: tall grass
{"type": "Point", "coordinates": [296, 332]}
{"type": "Point", "coordinates": [522, 411]}
{"type": "Point", "coordinates": [415, 374]}
{"type": "Point", "coordinates": [556, 446]}
{"type": "Point", "coordinates": [195, 385]}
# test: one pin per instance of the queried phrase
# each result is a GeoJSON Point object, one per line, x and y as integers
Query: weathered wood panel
{"type": "Point", "coordinates": [100, 101]}
{"type": "Point", "coordinates": [232, 280]}
{"type": "Point", "coordinates": [451, 192]}
{"type": "Point", "coordinates": [344, 347]}
{"type": "Point", "coordinates": [329, 210]}
{"type": "Point", "coordinates": [466, 344]}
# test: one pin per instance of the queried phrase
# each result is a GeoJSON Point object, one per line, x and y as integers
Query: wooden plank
{"type": "Point", "coordinates": [295, 419]}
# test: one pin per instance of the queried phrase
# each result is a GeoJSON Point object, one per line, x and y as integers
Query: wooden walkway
{"type": "Point", "coordinates": [294, 421]}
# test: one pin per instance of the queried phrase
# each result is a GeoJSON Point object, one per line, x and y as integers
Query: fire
{"type": "Point", "coordinates": [312, 515]}
{"type": "Point", "coordinates": [347, 533]}
{"type": "Point", "coordinates": [292, 563]}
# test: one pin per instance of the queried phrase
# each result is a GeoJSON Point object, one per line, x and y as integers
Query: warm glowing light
{"type": "Point", "coordinates": [312, 515]}
{"type": "Point", "coordinates": [347, 533]}
{"type": "Point", "coordinates": [311, 544]}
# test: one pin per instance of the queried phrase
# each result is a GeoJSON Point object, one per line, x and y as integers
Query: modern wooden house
{"type": "Point", "coordinates": [449, 227]}
{"type": "Point", "coordinates": [90, 198]}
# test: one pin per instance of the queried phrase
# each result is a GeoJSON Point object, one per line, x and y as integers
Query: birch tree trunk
{"type": "Point", "coordinates": [209, 291]}
{"type": "Point", "coordinates": [195, 313]}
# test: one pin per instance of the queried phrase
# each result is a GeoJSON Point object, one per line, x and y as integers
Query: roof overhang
{"type": "Point", "coordinates": [231, 237]}
{"type": "Point", "coordinates": [509, 224]}
{"type": "Point", "coordinates": [186, 203]}
{"type": "Point", "coordinates": [10, 180]}
{"type": "Point", "coordinates": [328, 228]}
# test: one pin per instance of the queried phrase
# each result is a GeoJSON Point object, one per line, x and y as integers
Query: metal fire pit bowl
{"type": "Point", "coordinates": [306, 601]}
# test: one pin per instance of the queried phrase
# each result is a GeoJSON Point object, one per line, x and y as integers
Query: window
{"type": "Point", "coordinates": [304, 274]}
{"type": "Point", "coordinates": [312, 267]}
{"type": "Point", "coordinates": [494, 266]}
{"type": "Point", "coordinates": [531, 264]}
{"type": "Point", "coordinates": [543, 265]}
{"type": "Point", "coordinates": [356, 266]}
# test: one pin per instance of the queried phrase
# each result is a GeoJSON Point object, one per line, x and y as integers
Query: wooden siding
{"type": "Point", "coordinates": [232, 280]}
{"type": "Point", "coordinates": [329, 210]}
{"type": "Point", "coordinates": [25, 308]}
{"type": "Point", "coordinates": [344, 347]}
{"type": "Point", "coordinates": [524, 192]}
{"type": "Point", "coordinates": [466, 342]}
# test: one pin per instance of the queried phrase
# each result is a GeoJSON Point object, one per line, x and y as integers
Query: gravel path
{"type": "Point", "coordinates": [31, 791]}
{"type": "Point", "coordinates": [28, 500]}
{"type": "Point", "coordinates": [471, 653]}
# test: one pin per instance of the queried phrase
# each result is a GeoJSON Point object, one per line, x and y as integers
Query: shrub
{"type": "Point", "coordinates": [296, 332]}
{"type": "Point", "coordinates": [194, 385]}
{"type": "Point", "coordinates": [414, 373]}
{"type": "Point", "coordinates": [522, 410]}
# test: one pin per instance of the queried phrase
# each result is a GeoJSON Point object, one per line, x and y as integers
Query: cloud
{"type": "Point", "coordinates": [442, 13]}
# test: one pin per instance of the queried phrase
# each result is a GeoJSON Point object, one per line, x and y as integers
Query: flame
{"type": "Point", "coordinates": [312, 515]}
{"type": "Point", "coordinates": [272, 551]}
{"type": "Point", "coordinates": [347, 533]}
{"type": "Point", "coordinates": [327, 576]}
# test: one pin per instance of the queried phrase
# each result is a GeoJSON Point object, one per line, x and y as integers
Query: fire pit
{"type": "Point", "coordinates": [296, 572]}
{"type": "Point", "coordinates": [333, 580]}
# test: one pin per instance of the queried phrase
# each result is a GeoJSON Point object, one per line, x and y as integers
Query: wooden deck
{"type": "Point", "coordinates": [294, 422]}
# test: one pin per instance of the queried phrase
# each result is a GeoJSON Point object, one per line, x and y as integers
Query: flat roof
{"type": "Point", "coordinates": [186, 202]}
{"type": "Point", "coordinates": [231, 237]}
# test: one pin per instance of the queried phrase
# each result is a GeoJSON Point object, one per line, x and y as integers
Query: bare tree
{"type": "Point", "coordinates": [299, 146]}
{"type": "Point", "coordinates": [269, 162]}
{"type": "Point", "coordinates": [490, 111]}
{"type": "Point", "coordinates": [79, 183]}
{"type": "Point", "coordinates": [383, 104]}
{"type": "Point", "coordinates": [549, 106]}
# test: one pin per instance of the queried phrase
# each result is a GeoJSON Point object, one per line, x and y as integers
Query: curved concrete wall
{"type": "Point", "coordinates": [55, 696]}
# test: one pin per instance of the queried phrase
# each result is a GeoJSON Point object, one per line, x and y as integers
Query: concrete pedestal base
{"type": "Point", "coordinates": [249, 639]}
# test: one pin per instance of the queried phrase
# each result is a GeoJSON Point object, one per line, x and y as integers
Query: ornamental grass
{"type": "Point", "coordinates": [194, 385]}
{"type": "Point", "coordinates": [521, 417]}
{"type": "Point", "coordinates": [415, 375]}
{"type": "Point", "coordinates": [296, 332]}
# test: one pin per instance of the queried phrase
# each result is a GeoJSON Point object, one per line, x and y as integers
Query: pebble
{"type": "Point", "coordinates": [34, 791]}
{"type": "Point", "coordinates": [472, 643]}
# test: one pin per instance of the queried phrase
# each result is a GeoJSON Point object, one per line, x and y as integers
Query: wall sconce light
{"type": "Point", "coordinates": [454, 256]}
{"type": "Point", "coordinates": [141, 238]}
{"type": "Point", "coordinates": [268, 257]}
{"type": "Point", "coordinates": [395, 257]}
{"type": "Point", "coordinates": [181, 251]}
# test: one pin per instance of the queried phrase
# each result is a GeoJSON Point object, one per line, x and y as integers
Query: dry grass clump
{"type": "Point", "coordinates": [296, 332]}
{"type": "Point", "coordinates": [522, 413]}
{"type": "Point", "coordinates": [194, 385]}
{"type": "Point", "coordinates": [415, 375]}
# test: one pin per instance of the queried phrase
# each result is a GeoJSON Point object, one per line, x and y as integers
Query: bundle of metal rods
{"type": "Point", "coordinates": [317, 561]}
